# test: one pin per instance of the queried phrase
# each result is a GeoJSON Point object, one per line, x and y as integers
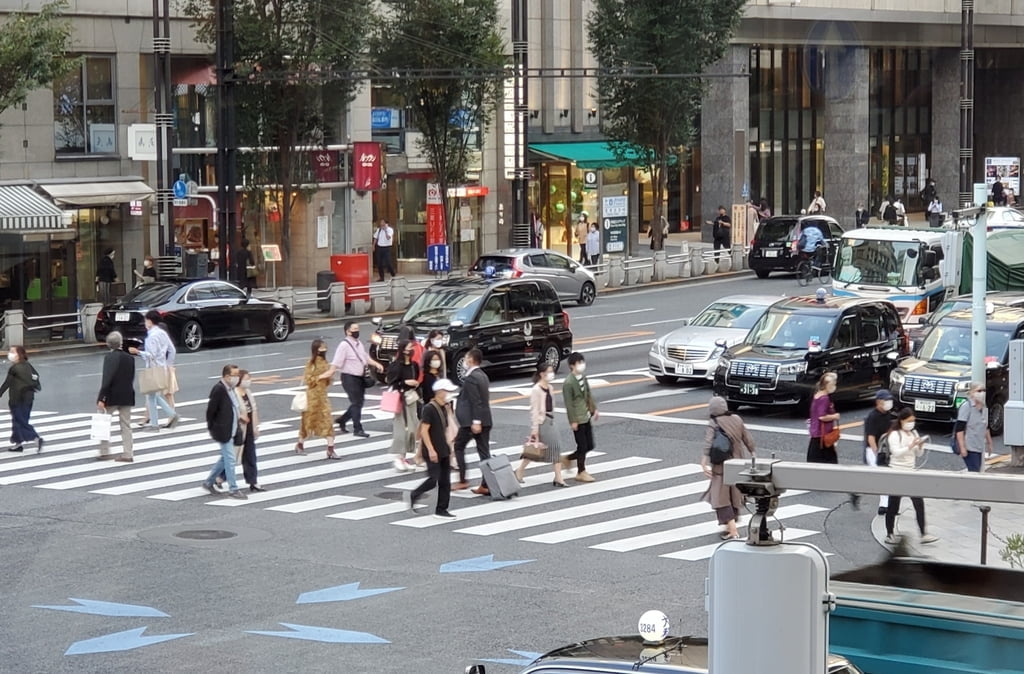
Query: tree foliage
{"type": "Point", "coordinates": [444, 36]}
{"type": "Point", "coordinates": [281, 48]}
{"type": "Point", "coordinates": [33, 50]}
{"type": "Point", "coordinates": [657, 116]}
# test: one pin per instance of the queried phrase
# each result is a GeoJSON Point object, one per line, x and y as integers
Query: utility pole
{"type": "Point", "coordinates": [521, 233]}
{"type": "Point", "coordinates": [164, 122]}
{"type": "Point", "coordinates": [226, 140]}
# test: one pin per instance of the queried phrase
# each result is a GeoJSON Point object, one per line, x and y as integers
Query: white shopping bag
{"type": "Point", "coordinates": [99, 427]}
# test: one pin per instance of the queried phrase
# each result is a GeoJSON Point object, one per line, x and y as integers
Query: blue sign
{"type": "Point", "coordinates": [341, 593]}
{"type": "Point", "coordinates": [437, 258]}
{"type": "Point", "coordinates": [323, 634]}
{"type": "Point", "coordinates": [107, 608]}
{"type": "Point", "coordinates": [119, 641]}
{"type": "Point", "coordinates": [461, 118]}
{"type": "Point", "coordinates": [383, 118]}
{"type": "Point", "coordinates": [476, 564]}
{"type": "Point", "coordinates": [180, 189]}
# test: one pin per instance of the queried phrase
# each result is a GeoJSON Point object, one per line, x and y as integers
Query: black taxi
{"type": "Point", "coordinates": [800, 338]}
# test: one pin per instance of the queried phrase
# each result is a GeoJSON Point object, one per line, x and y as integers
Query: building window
{"type": "Point", "coordinates": [84, 113]}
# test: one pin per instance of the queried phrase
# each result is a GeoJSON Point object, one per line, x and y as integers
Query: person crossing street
{"type": "Point", "coordinates": [222, 415]}
{"type": "Point", "coordinates": [435, 424]}
{"type": "Point", "coordinates": [117, 395]}
{"type": "Point", "coordinates": [474, 415]}
{"type": "Point", "coordinates": [581, 411]}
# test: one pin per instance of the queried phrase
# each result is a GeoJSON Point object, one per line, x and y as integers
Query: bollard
{"type": "Point", "coordinates": [14, 328]}
{"type": "Point", "coordinates": [660, 266]}
{"type": "Point", "coordinates": [685, 267]}
{"type": "Point", "coordinates": [616, 273]}
{"type": "Point", "coordinates": [360, 307]}
{"type": "Point", "coordinates": [88, 314]}
{"type": "Point", "coordinates": [380, 303]}
{"type": "Point", "coordinates": [710, 265]}
{"type": "Point", "coordinates": [984, 532]}
{"type": "Point", "coordinates": [400, 297]}
{"type": "Point", "coordinates": [336, 299]}
{"type": "Point", "coordinates": [696, 263]}
{"type": "Point", "coordinates": [725, 263]}
{"type": "Point", "coordinates": [286, 296]}
{"type": "Point", "coordinates": [739, 260]}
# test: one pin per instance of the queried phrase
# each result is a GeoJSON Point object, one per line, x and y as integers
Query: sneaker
{"type": "Point", "coordinates": [584, 477]}
{"type": "Point", "coordinates": [361, 434]}
{"type": "Point", "coordinates": [210, 488]}
{"type": "Point", "coordinates": [237, 494]}
{"type": "Point", "coordinates": [173, 422]}
{"type": "Point", "coordinates": [928, 538]}
{"type": "Point", "coordinates": [39, 444]}
{"type": "Point", "coordinates": [892, 539]}
{"type": "Point", "coordinates": [444, 515]}
{"type": "Point", "coordinates": [400, 465]}
{"type": "Point", "coordinates": [106, 457]}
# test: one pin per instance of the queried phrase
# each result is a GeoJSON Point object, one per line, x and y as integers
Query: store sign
{"type": "Point", "coordinates": [385, 118]}
{"type": "Point", "coordinates": [514, 125]}
{"type": "Point", "coordinates": [615, 223]}
{"type": "Point", "coordinates": [325, 165]}
{"type": "Point", "coordinates": [368, 168]}
{"type": "Point", "coordinates": [134, 208]}
{"type": "Point", "coordinates": [142, 142]}
{"type": "Point", "coordinates": [590, 180]}
{"type": "Point", "coordinates": [1006, 169]}
{"type": "Point", "coordinates": [437, 258]}
{"type": "Point", "coordinates": [435, 216]}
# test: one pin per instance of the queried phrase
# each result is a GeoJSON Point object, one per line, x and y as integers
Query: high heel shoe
{"type": "Point", "coordinates": [559, 484]}
{"type": "Point", "coordinates": [331, 455]}
{"type": "Point", "coordinates": [519, 476]}
{"type": "Point", "coordinates": [299, 449]}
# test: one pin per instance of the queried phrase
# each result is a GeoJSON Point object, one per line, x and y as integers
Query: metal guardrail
{"type": "Point", "coordinates": [635, 263]}
{"type": "Point", "coordinates": [77, 321]}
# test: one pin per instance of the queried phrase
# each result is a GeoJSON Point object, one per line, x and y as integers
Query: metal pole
{"type": "Point", "coordinates": [966, 196]}
{"type": "Point", "coordinates": [163, 119]}
{"type": "Point", "coordinates": [521, 181]}
{"type": "Point", "coordinates": [226, 141]}
{"type": "Point", "coordinates": [984, 533]}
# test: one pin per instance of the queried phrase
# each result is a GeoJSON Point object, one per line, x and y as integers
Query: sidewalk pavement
{"type": "Point", "coordinates": [957, 524]}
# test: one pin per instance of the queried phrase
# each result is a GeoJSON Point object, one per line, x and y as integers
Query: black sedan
{"type": "Point", "coordinates": [196, 312]}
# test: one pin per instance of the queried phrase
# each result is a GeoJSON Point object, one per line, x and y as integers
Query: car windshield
{"type": "Point", "coordinates": [444, 305]}
{"type": "Point", "coordinates": [150, 294]}
{"type": "Point", "coordinates": [728, 315]}
{"type": "Point", "coordinates": [888, 263]}
{"type": "Point", "coordinates": [952, 344]}
{"type": "Point", "coordinates": [783, 329]}
{"type": "Point", "coordinates": [773, 231]}
{"type": "Point", "coordinates": [949, 307]}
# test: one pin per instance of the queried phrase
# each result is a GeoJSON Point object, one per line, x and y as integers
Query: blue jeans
{"type": "Point", "coordinates": [153, 400]}
{"type": "Point", "coordinates": [226, 464]}
{"type": "Point", "coordinates": [21, 429]}
{"type": "Point", "coordinates": [973, 462]}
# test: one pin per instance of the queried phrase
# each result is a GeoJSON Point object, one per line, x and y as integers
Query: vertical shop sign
{"type": "Point", "coordinates": [368, 168]}
{"type": "Point", "coordinates": [435, 216]}
{"type": "Point", "coordinates": [615, 223]}
{"type": "Point", "coordinates": [325, 165]}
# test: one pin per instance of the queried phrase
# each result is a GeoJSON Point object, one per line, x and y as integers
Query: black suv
{"type": "Point", "coordinates": [516, 323]}
{"type": "Point", "coordinates": [935, 382]}
{"type": "Point", "coordinates": [800, 338]}
{"type": "Point", "coordinates": [773, 247]}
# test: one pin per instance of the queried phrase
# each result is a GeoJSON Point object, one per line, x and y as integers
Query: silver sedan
{"type": "Point", "coordinates": [692, 351]}
{"type": "Point", "coordinates": [572, 281]}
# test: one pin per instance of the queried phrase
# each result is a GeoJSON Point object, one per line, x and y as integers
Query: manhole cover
{"type": "Point", "coordinates": [206, 534]}
{"type": "Point", "coordinates": [390, 495]}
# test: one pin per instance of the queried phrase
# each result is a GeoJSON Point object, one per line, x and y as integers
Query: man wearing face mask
{"type": "Point", "coordinates": [474, 415]}
{"type": "Point", "coordinates": [222, 415]}
{"type": "Point", "coordinates": [581, 410]}
{"type": "Point", "coordinates": [876, 425]}
{"type": "Point", "coordinates": [351, 360]}
{"type": "Point", "coordinates": [971, 429]}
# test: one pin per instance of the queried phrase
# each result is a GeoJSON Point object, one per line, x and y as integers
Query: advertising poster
{"type": "Point", "coordinates": [615, 223]}
{"type": "Point", "coordinates": [435, 216]}
{"type": "Point", "coordinates": [1006, 169]}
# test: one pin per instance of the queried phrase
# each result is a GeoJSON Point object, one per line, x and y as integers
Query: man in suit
{"type": "Point", "coordinates": [581, 410]}
{"type": "Point", "coordinates": [222, 415]}
{"type": "Point", "coordinates": [117, 395]}
{"type": "Point", "coordinates": [473, 413]}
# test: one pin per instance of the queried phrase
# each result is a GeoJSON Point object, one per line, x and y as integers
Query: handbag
{"type": "Point", "coordinates": [831, 438]}
{"type": "Point", "coordinates": [369, 378]}
{"type": "Point", "coordinates": [391, 401]}
{"type": "Point", "coordinates": [99, 427]}
{"type": "Point", "coordinates": [412, 396]}
{"type": "Point", "coordinates": [239, 438]}
{"type": "Point", "coordinates": [152, 380]}
{"type": "Point", "coordinates": [721, 447]}
{"type": "Point", "coordinates": [534, 450]}
{"type": "Point", "coordinates": [300, 402]}
{"type": "Point", "coordinates": [252, 271]}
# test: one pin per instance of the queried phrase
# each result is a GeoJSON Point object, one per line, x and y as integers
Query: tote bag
{"type": "Point", "coordinates": [152, 380]}
{"type": "Point", "coordinates": [391, 401]}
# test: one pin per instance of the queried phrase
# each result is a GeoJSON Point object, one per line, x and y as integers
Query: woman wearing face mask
{"type": "Point", "coordinates": [316, 420]}
{"type": "Point", "coordinates": [823, 419]}
{"type": "Point", "coordinates": [148, 274]}
{"type": "Point", "coordinates": [21, 384]}
{"type": "Point", "coordinates": [403, 376]}
{"type": "Point", "coordinates": [248, 432]}
{"type": "Point", "coordinates": [581, 411]}
{"type": "Point", "coordinates": [905, 445]}
{"type": "Point", "coordinates": [726, 499]}
{"type": "Point", "coordinates": [433, 369]}
{"type": "Point", "coordinates": [594, 244]}
{"type": "Point", "coordinates": [542, 420]}
{"type": "Point", "coordinates": [435, 349]}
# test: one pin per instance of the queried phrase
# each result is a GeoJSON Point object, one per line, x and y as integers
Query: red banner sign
{"type": "Point", "coordinates": [366, 160]}
{"type": "Point", "coordinates": [435, 216]}
{"type": "Point", "coordinates": [325, 165]}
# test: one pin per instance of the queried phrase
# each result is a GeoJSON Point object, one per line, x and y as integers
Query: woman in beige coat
{"type": "Point", "coordinates": [725, 499]}
{"type": "Point", "coordinates": [542, 424]}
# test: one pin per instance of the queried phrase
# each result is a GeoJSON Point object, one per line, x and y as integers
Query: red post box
{"type": "Point", "coordinates": [354, 271]}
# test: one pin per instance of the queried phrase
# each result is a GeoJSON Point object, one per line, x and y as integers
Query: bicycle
{"type": "Point", "coordinates": [816, 265]}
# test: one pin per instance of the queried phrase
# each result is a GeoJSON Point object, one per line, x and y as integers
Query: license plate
{"type": "Point", "coordinates": [924, 405]}
{"type": "Point", "coordinates": [771, 253]}
{"type": "Point", "coordinates": [749, 389]}
{"type": "Point", "coordinates": [123, 316]}
{"type": "Point", "coordinates": [684, 368]}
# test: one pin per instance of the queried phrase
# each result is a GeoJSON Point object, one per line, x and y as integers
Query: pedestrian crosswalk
{"type": "Point", "coordinates": [637, 505]}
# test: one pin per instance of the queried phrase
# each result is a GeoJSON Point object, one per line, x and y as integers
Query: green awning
{"type": "Point", "coordinates": [587, 154]}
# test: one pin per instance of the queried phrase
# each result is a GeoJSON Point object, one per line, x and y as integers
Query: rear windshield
{"type": "Point", "coordinates": [150, 294]}
{"type": "Point", "coordinates": [498, 264]}
{"type": "Point", "coordinates": [773, 231]}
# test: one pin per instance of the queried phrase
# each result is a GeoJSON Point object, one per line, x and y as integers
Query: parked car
{"type": "Point", "coordinates": [935, 382]}
{"type": "Point", "coordinates": [516, 323]}
{"type": "Point", "coordinates": [995, 298]}
{"type": "Point", "coordinates": [692, 351]}
{"type": "Point", "coordinates": [197, 312]}
{"type": "Point", "coordinates": [773, 247]}
{"type": "Point", "coordinates": [800, 338]}
{"type": "Point", "coordinates": [572, 281]}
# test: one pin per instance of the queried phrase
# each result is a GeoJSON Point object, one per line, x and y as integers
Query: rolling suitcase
{"type": "Point", "coordinates": [499, 477]}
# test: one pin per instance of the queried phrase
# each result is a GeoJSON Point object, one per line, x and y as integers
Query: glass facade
{"type": "Point", "coordinates": [84, 111]}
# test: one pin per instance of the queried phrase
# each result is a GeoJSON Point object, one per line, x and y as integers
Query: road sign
{"type": "Point", "coordinates": [180, 202]}
{"type": "Point", "coordinates": [437, 258]}
{"type": "Point", "coordinates": [590, 180]}
{"type": "Point", "coordinates": [180, 189]}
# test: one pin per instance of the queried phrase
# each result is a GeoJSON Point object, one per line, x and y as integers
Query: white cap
{"type": "Point", "coordinates": [445, 385]}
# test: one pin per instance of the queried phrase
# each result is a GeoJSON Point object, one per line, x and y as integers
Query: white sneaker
{"type": "Point", "coordinates": [400, 465]}
{"type": "Point", "coordinates": [928, 538]}
{"type": "Point", "coordinates": [892, 539]}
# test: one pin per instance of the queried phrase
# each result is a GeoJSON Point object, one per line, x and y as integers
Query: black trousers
{"type": "Point", "coordinates": [248, 458]}
{"type": "Point", "coordinates": [439, 475]}
{"type": "Point", "coordinates": [356, 392]}
{"type": "Point", "coordinates": [483, 446]}
{"type": "Point", "coordinates": [584, 436]}
{"type": "Point", "coordinates": [894, 509]}
{"type": "Point", "coordinates": [383, 258]}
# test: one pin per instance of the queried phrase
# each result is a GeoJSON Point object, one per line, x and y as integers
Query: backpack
{"type": "Point", "coordinates": [884, 455]}
{"type": "Point", "coordinates": [890, 213]}
{"type": "Point", "coordinates": [721, 447]}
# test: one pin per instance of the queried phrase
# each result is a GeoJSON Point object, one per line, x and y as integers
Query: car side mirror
{"type": "Point", "coordinates": [892, 355]}
{"type": "Point", "coordinates": [685, 321]}
{"type": "Point", "coordinates": [376, 320]}
{"type": "Point", "coordinates": [456, 324]}
{"type": "Point", "coordinates": [722, 343]}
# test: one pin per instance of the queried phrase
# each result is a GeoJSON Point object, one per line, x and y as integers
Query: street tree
{"type": "Point", "coordinates": [294, 60]}
{"type": "Point", "coordinates": [33, 51]}
{"type": "Point", "coordinates": [657, 118]}
{"type": "Point", "coordinates": [450, 106]}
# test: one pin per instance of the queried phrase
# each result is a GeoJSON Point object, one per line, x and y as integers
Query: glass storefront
{"type": "Point", "coordinates": [37, 273]}
{"type": "Point", "coordinates": [98, 229]}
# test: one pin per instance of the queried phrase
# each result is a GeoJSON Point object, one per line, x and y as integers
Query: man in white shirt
{"type": "Point", "coordinates": [383, 239]}
{"type": "Point", "coordinates": [935, 212]}
{"type": "Point", "coordinates": [901, 211]}
{"type": "Point", "coordinates": [817, 206]}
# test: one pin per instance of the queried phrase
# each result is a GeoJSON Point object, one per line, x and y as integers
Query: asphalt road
{"type": "Point", "coordinates": [592, 558]}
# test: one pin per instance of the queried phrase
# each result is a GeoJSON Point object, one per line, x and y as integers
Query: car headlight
{"type": "Point", "coordinates": [658, 347]}
{"type": "Point", "coordinates": [963, 386]}
{"type": "Point", "coordinates": [375, 338]}
{"type": "Point", "coordinates": [794, 368]}
{"type": "Point", "coordinates": [718, 351]}
{"type": "Point", "coordinates": [897, 377]}
{"type": "Point", "coordinates": [724, 361]}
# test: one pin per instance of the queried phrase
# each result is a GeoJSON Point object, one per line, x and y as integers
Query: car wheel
{"type": "Point", "coordinates": [552, 356]}
{"type": "Point", "coordinates": [996, 418]}
{"type": "Point", "coordinates": [762, 273]}
{"type": "Point", "coordinates": [279, 327]}
{"type": "Point", "coordinates": [192, 336]}
{"type": "Point", "coordinates": [662, 379]}
{"type": "Point", "coordinates": [587, 294]}
{"type": "Point", "coordinates": [461, 367]}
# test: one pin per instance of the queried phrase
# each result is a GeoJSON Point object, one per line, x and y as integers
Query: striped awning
{"type": "Point", "coordinates": [22, 210]}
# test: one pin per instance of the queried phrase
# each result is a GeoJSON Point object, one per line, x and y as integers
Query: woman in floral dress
{"type": "Point", "coordinates": [317, 420]}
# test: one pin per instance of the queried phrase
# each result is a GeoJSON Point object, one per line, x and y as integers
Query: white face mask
{"type": "Point", "coordinates": [979, 397]}
{"type": "Point", "coordinates": [436, 364]}
{"type": "Point", "coordinates": [886, 405]}
{"type": "Point", "coordinates": [550, 376]}
{"type": "Point", "coordinates": [233, 381]}
{"type": "Point", "coordinates": [247, 384]}
{"type": "Point", "coordinates": [907, 425]}
{"type": "Point", "coordinates": [581, 368]}
{"type": "Point", "coordinates": [13, 357]}
{"type": "Point", "coordinates": [437, 342]}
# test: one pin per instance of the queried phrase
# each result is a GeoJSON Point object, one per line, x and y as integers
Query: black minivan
{"type": "Point", "coordinates": [774, 242]}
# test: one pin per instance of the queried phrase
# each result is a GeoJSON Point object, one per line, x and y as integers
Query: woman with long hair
{"type": "Point", "coordinates": [542, 424]}
{"type": "Point", "coordinates": [403, 376]}
{"type": "Point", "coordinates": [316, 420]}
{"type": "Point", "coordinates": [21, 384]}
{"type": "Point", "coordinates": [905, 445]}
{"type": "Point", "coordinates": [823, 420]}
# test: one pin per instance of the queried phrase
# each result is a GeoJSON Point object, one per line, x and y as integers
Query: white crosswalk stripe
{"type": "Point", "coordinates": [637, 505]}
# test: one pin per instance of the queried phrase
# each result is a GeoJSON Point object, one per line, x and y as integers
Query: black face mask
{"type": "Point", "coordinates": [354, 334]}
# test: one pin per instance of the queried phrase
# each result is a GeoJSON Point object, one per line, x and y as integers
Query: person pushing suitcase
{"type": "Point", "coordinates": [473, 412]}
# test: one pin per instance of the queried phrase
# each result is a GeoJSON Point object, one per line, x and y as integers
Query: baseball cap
{"type": "Point", "coordinates": [883, 394]}
{"type": "Point", "coordinates": [445, 385]}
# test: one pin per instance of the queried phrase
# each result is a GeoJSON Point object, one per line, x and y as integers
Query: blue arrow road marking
{"type": "Point", "coordinates": [324, 634]}
{"type": "Point", "coordinates": [119, 641]}
{"type": "Point", "coordinates": [341, 593]}
{"type": "Point", "coordinates": [485, 563]}
{"type": "Point", "coordinates": [107, 608]}
{"type": "Point", "coordinates": [526, 658]}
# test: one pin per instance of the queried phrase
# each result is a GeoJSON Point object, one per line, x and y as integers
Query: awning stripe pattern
{"type": "Point", "coordinates": [100, 193]}
{"type": "Point", "coordinates": [21, 210]}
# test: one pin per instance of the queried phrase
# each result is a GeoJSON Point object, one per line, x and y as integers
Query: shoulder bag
{"type": "Point", "coordinates": [369, 378]}
{"type": "Point", "coordinates": [299, 402]}
{"type": "Point", "coordinates": [152, 380]}
{"type": "Point", "coordinates": [721, 447]}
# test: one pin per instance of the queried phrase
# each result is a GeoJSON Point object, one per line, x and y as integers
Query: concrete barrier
{"type": "Point", "coordinates": [286, 296]}
{"type": "Point", "coordinates": [89, 312]}
{"type": "Point", "coordinates": [660, 266]}
{"type": "Point", "coordinates": [696, 263]}
{"type": "Point", "coordinates": [616, 273]}
{"type": "Point", "coordinates": [336, 299]}
{"type": "Point", "coordinates": [359, 307]}
{"type": "Point", "coordinates": [724, 263]}
{"type": "Point", "coordinates": [14, 328]}
{"type": "Point", "coordinates": [400, 295]}
{"type": "Point", "coordinates": [380, 303]}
